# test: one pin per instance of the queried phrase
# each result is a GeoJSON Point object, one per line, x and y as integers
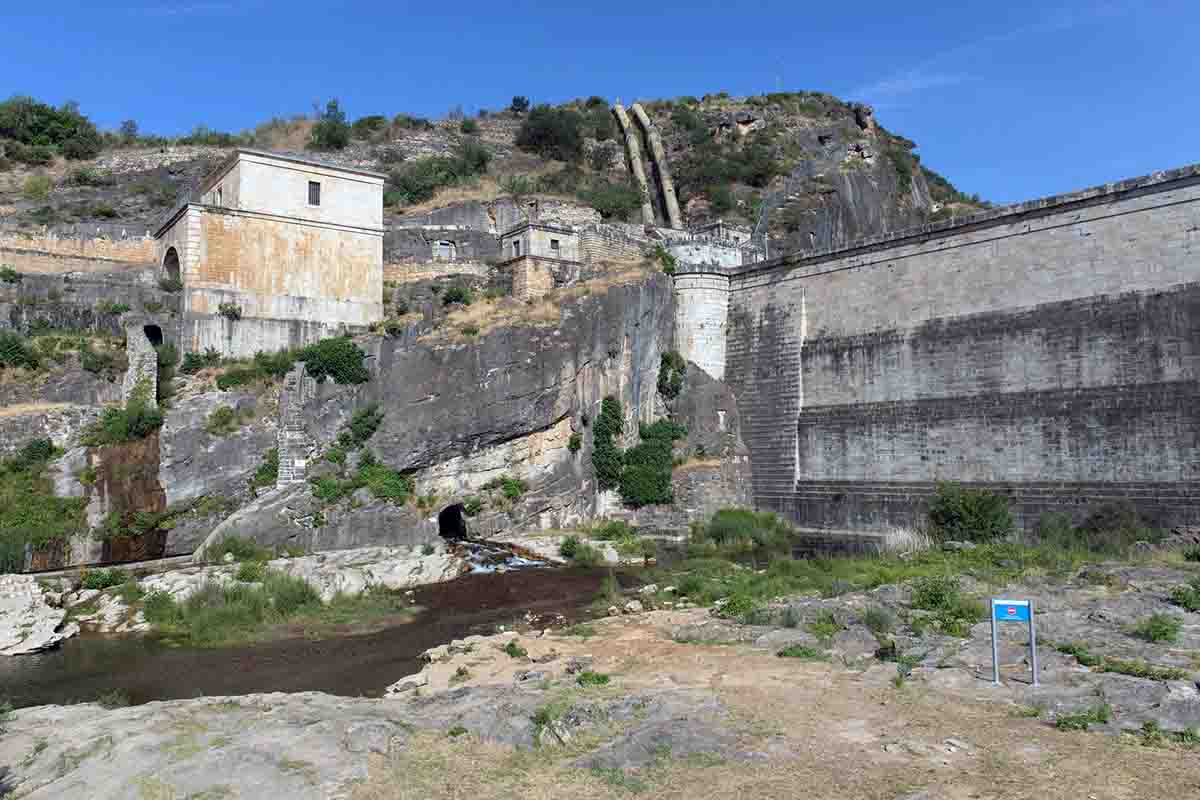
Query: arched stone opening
{"type": "Point", "coordinates": [452, 523]}
{"type": "Point", "coordinates": [154, 334]}
{"type": "Point", "coordinates": [171, 264]}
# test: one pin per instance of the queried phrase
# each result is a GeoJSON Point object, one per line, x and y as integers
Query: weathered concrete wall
{"type": "Point", "coordinates": [74, 302]}
{"type": "Point", "coordinates": [608, 243]}
{"type": "Point", "coordinates": [293, 282]}
{"type": "Point", "coordinates": [420, 244]}
{"type": "Point", "coordinates": [1048, 350]}
{"type": "Point", "coordinates": [701, 317]}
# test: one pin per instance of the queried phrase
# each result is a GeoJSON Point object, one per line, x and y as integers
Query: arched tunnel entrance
{"type": "Point", "coordinates": [452, 523]}
{"type": "Point", "coordinates": [171, 264]}
{"type": "Point", "coordinates": [154, 334]}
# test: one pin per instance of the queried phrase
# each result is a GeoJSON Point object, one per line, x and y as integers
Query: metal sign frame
{"type": "Point", "coordinates": [1005, 610]}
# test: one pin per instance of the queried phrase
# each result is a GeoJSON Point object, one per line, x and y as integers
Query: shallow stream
{"type": "Point", "coordinates": [361, 664]}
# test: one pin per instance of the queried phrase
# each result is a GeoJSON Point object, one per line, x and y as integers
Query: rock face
{"type": "Point", "coordinates": [28, 623]}
{"type": "Point", "coordinates": [506, 403]}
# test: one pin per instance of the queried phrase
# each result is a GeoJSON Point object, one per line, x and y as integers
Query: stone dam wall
{"type": "Point", "coordinates": [1048, 351]}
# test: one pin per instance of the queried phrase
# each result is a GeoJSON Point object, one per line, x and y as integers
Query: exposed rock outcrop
{"type": "Point", "coordinates": [28, 623]}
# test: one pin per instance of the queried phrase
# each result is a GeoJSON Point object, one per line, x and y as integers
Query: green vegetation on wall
{"type": "Point", "coordinates": [642, 474]}
{"type": "Point", "coordinates": [30, 513]}
{"type": "Point", "coordinates": [136, 420]}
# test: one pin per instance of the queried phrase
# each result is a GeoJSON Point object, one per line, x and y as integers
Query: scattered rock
{"type": "Point", "coordinates": [650, 588]}
{"type": "Point", "coordinates": [414, 681]}
{"type": "Point", "coordinates": [634, 607]}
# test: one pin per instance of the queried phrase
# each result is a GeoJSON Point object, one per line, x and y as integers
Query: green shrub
{"type": "Point", "coordinates": [468, 126]}
{"type": "Point", "coordinates": [170, 285]}
{"type": "Point", "coordinates": [741, 606]}
{"type": "Point", "coordinates": [230, 311]}
{"type": "Point", "coordinates": [614, 200]}
{"type": "Point", "coordinates": [802, 652]}
{"type": "Point", "coordinates": [1110, 530]}
{"type": "Point", "coordinates": [569, 547]}
{"type": "Point", "coordinates": [671, 370]}
{"type": "Point", "coordinates": [15, 351]}
{"type": "Point", "coordinates": [514, 649]}
{"type": "Point", "coordinates": [1158, 628]}
{"type": "Point", "coordinates": [223, 421]}
{"type": "Point", "coordinates": [1192, 555]}
{"type": "Point", "coordinates": [954, 615]}
{"type": "Point", "coordinates": [103, 578]}
{"type": "Point", "coordinates": [739, 529]}
{"type": "Point", "coordinates": [1097, 715]}
{"type": "Point", "coordinates": [550, 132]}
{"type": "Point", "coordinates": [458, 294]}
{"type": "Point", "coordinates": [669, 264]}
{"type": "Point", "coordinates": [519, 105]}
{"type": "Point", "coordinates": [825, 626]}
{"type": "Point", "coordinates": [268, 471]}
{"type": "Point", "coordinates": [194, 362]}
{"type": "Point", "coordinates": [512, 488]}
{"type": "Point", "coordinates": [251, 571]}
{"type": "Point", "coordinates": [9, 275]}
{"type": "Point", "coordinates": [240, 548]}
{"type": "Point", "coordinates": [30, 512]}
{"type": "Point", "coordinates": [362, 426]}
{"type": "Point", "coordinates": [136, 420]}
{"type": "Point", "coordinates": [111, 307]}
{"type": "Point", "coordinates": [472, 506]}
{"type": "Point", "coordinates": [575, 442]}
{"type": "Point", "coordinates": [37, 187]}
{"type": "Point", "coordinates": [974, 515]}
{"type": "Point", "coordinates": [646, 473]}
{"type": "Point", "coordinates": [331, 132]}
{"type": "Point", "coordinates": [589, 678]}
{"type": "Point", "coordinates": [338, 358]}
{"type": "Point", "coordinates": [606, 456]}
{"type": "Point", "coordinates": [1188, 597]}
{"type": "Point", "coordinates": [418, 181]}
{"type": "Point", "coordinates": [368, 126]}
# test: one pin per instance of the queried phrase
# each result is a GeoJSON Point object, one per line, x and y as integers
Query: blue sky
{"type": "Point", "coordinates": [1012, 100]}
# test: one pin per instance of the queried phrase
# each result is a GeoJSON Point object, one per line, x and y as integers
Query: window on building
{"type": "Point", "coordinates": [554, 244]}
{"type": "Point", "coordinates": [516, 248]}
{"type": "Point", "coordinates": [219, 196]}
{"type": "Point", "coordinates": [444, 251]}
{"type": "Point", "coordinates": [314, 193]}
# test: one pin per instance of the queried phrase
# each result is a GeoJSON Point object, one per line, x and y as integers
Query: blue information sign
{"type": "Point", "coordinates": [1010, 610]}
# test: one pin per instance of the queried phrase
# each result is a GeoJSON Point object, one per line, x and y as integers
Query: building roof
{"type": "Point", "coordinates": [304, 158]}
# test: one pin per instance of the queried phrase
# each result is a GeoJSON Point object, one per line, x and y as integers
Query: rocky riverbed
{"type": "Point", "coordinates": [683, 702]}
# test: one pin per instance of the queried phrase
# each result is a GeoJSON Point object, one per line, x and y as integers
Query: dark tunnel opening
{"type": "Point", "coordinates": [452, 523]}
{"type": "Point", "coordinates": [154, 334]}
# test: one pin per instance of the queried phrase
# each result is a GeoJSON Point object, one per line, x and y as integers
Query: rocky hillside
{"type": "Point", "coordinates": [808, 168]}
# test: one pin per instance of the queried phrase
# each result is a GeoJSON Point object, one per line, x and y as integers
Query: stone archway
{"type": "Point", "coordinates": [154, 334]}
{"type": "Point", "coordinates": [171, 265]}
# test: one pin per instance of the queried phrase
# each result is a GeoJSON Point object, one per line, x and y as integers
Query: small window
{"type": "Point", "coordinates": [516, 248]}
{"type": "Point", "coordinates": [314, 193]}
{"type": "Point", "coordinates": [219, 195]}
{"type": "Point", "coordinates": [554, 244]}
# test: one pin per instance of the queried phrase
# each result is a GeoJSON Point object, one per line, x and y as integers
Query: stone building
{"type": "Point", "coordinates": [539, 257]}
{"type": "Point", "coordinates": [276, 251]}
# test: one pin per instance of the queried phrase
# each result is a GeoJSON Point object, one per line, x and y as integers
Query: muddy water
{"type": "Point", "coordinates": [354, 665]}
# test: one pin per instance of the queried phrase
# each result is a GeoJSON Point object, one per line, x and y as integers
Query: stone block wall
{"type": "Point", "coordinates": [1047, 351]}
{"type": "Point", "coordinates": [608, 243]}
{"type": "Point", "coordinates": [82, 249]}
{"type": "Point", "coordinates": [143, 363]}
{"type": "Point", "coordinates": [408, 272]}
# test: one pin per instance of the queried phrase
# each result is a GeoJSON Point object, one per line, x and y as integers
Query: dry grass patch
{"type": "Point", "coordinates": [20, 409]}
{"type": "Point", "coordinates": [486, 315]}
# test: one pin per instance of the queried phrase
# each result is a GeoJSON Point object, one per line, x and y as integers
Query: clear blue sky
{"type": "Point", "coordinates": [1009, 99]}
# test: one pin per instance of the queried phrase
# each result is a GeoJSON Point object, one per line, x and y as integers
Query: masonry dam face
{"type": "Point", "coordinates": [1048, 351]}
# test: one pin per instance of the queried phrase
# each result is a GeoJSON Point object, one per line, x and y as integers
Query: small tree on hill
{"type": "Point", "coordinates": [331, 132]}
{"type": "Point", "coordinates": [520, 104]}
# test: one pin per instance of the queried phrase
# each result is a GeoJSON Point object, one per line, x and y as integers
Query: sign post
{"type": "Point", "coordinates": [1013, 611]}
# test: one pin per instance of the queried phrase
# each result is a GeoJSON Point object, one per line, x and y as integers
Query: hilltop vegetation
{"type": "Point", "coordinates": [797, 161]}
